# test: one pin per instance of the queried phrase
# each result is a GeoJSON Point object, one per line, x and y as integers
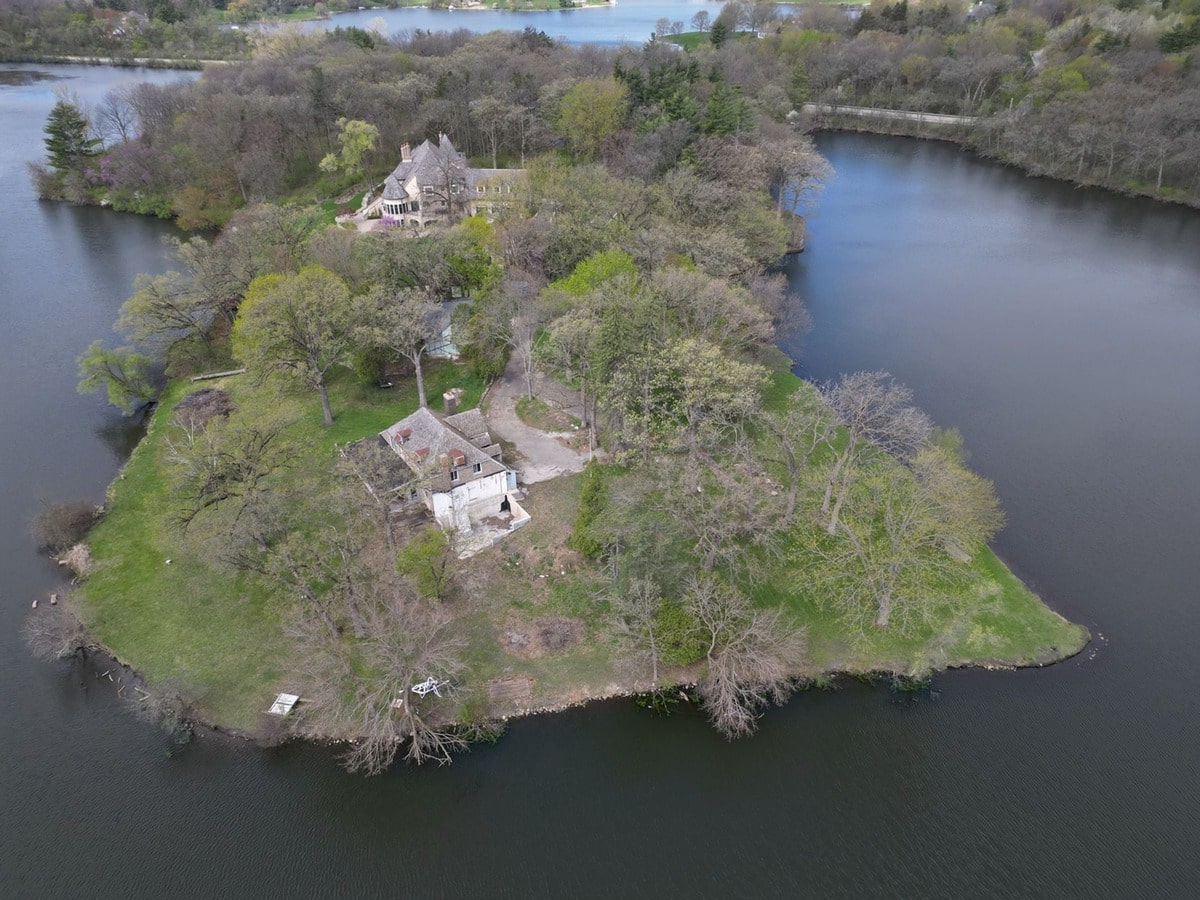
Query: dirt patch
{"type": "Point", "coordinates": [200, 407]}
{"type": "Point", "coordinates": [540, 637]}
{"type": "Point", "coordinates": [509, 693]}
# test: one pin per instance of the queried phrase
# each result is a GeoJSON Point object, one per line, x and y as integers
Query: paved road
{"type": "Point", "coordinates": [541, 456]}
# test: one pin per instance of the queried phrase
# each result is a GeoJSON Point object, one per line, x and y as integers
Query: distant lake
{"type": "Point", "coordinates": [629, 21]}
{"type": "Point", "coordinates": [1058, 328]}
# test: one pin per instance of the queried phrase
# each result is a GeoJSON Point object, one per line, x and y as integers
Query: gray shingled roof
{"type": "Point", "coordinates": [428, 164]}
{"type": "Point", "coordinates": [428, 437]}
{"type": "Point", "coordinates": [472, 425]}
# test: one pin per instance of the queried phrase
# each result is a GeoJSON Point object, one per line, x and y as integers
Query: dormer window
{"type": "Point", "coordinates": [454, 474]}
{"type": "Point", "coordinates": [427, 190]}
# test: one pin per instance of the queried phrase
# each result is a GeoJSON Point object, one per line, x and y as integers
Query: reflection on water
{"type": "Point", "coordinates": [24, 76]}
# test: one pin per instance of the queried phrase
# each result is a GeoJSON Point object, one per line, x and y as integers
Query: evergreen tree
{"type": "Point", "coordinates": [719, 34]}
{"type": "Point", "coordinates": [726, 112]}
{"type": "Point", "coordinates": [68, 142]}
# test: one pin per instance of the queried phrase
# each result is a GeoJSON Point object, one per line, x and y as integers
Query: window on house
{"type": "Point", "coordinates": [428, 190]}
{"type": "Point", "coordinates": [454, 474]}
{"type": "Point", "coordinates": [454, 188]}
{"type": "Point", "coordinates": [477, 468]}
{"type": "Point", "coordinates": [481, 189]}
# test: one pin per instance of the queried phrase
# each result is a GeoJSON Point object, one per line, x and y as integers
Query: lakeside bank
{"type": "Point", "coordinates": [220, 635]}
{"type": "Point", "coordinates": [963, 131]}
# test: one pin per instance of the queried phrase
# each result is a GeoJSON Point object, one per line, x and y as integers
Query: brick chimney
{"type": "Point", "coordinates": [405, 152]}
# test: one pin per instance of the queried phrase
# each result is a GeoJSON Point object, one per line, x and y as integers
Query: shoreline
{"type": "Point", "coordinates": [120, 62]}
{"type": "Point", "coordinates": [279, 21]}
{"type": "Point", "coordinates": [952, 134]}
{"type": "Point", "coordinates": [807, 679]}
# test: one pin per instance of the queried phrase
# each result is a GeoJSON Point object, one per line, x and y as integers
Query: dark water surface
{"type": "Point", "coordinates": [1058, 328]}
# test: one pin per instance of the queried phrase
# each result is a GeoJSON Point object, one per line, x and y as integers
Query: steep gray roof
{"type": "Point", "coordinates": [429, 163]}
{"type": "Point", "coordinates": [421, 438]}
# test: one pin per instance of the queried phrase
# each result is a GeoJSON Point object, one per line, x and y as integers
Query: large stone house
{"type": "Point", "coordinates": [434, 183]}
{"type": "Point", "coordinates": [459, 475]}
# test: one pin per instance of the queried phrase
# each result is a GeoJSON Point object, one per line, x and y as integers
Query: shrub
{"type": "Point", "coordinates": [678, 640]}
{"type": "Point", "coordinates": [63, 525]}
{"type": "Point", "coordinates": [592, 501]}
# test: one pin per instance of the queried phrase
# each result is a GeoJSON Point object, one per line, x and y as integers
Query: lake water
{"type": "Point", "coordinates": [1058, 328]}
{"type": "Point", "coordinates": [631, 21]}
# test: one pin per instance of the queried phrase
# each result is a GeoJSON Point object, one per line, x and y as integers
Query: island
{"type": "Point", "coordinates": [473, 409]}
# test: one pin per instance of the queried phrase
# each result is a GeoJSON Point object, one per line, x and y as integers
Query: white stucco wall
{"type": "Point", "coordinates": [470, 502]}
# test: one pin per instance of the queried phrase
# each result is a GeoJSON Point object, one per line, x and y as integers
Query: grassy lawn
{"type": "Point", "coordinates": [528, 580]}
{"type": "Point", "coordinates": [195, 623]}
{"type": "Point", "coordinates": [1002, 624]}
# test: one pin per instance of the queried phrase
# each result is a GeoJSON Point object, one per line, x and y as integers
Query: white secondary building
{"type": "Point", "coordinates": [458, 471]}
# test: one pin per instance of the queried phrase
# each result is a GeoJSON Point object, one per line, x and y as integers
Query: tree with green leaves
{"type": "Point", "coordinates": [298, 325]}
{"type": "Point", "coordinates": [404, 322]}
{"type": "Point", "coordinates": [592, 501]}
{"type": "Point", "coordinates": [357, 139]}
{"type": "Point", "coordinates": [727, 113]}
{"type": "Point", "coordinates": [69, 141]}
{"type": "Point", "coordinates": [794, 433]}
{"type": "Point", "coordinates": [428, 559]}
{"type": "Point", "coordinates": [123, 373]}
{"type": "Point", "coordinates": [690, 394]}
{"type": "Point", "coordinates": [903, 541]}
{"type": "Point", "coordinates": [591, 113]}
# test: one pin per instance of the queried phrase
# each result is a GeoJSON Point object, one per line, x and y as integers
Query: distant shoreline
{"type": "Point", "coordinates": [132, 62]}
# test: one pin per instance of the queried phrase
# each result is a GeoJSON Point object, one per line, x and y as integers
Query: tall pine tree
{"type": "Point", "coordinates": [68, 143]}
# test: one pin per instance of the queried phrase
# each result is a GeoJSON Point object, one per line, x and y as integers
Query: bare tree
{"type": "Point", "coordinates": [115, 116]}
{"type": "Point", "coordinates": [878, 415]}
{"type": "Point", "coordinates": [55, 632]}
{"type": "Point", "coordinates": [224, 461]}
{"type": "Point", "coordinates": [789, 165]}
{"type": "Point", "coordinates": [394, 688]}
{"type": "Point", "coordinates": [796, 432]}
{"type": "Point", "coordinates": [751, 655]}
{"type": "Point", "coordinates": [166, 310]}
{"type": "Point", "coordinates": [637, 618]}
{"type": "Point", "coordinates": [493, 117]}
{"type": "Point", "coordinates": [382, 475]}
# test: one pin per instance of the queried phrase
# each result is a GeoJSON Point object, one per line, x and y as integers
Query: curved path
{"type": "Point", "coordinates": [541, 455]}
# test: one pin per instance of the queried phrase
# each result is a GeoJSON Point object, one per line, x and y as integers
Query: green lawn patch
{"type": "Point", "coordinates": [195, 624]}
{"type": "Point", "coordinates": [539, 414]}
